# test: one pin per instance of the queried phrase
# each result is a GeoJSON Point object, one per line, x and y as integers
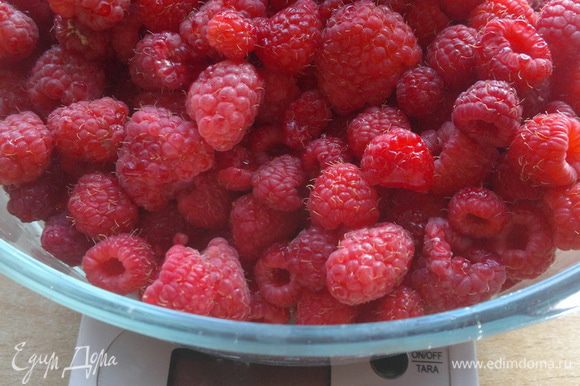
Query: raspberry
{"type": "Point", "coordinates": [39, 11]}
{"type": "Point", "coordinates": [99, 207]}
{"type": "Point", "coordinates": [279, 90]}
{"type": "Point", "coordinates": [89, 131]}
{"type": "Point", "coordinates": [534, 100]}
{"type": "Point", "coordinates": [63, 241]}
{"type": "Point", "coordinates": [161, 154]}
{"type": "Point", "coordinates": [100, 15]}
{"type": "Point", "coordinates": [62, 78]}
{"type": "Point", "coordinates": [322, 153]}
{"type": "Point", "coordinates": [235, 169]}
{"type": "Point", "coordinates": [508, 183]}
{"type": "Point", "coordinates": [364, 30]}
{"type": "Point", "coordinates": [560, 107]}
{"type": "Point", "coordinates": [160, 228]}
{"type": "Point", "coordinates": [121, 264]}
{"type": "Point", "coordinates": [431, 140]}
{"type": "Point", "coordinates": [164, 15]}
{"type": "Point", "coordinates": [266, 141]}
{"type": "Point", "coordinates": [342, 198]}
{"type": "Point", "coordinates": [320, 308]}
{"type": "Point", "coordinates": [224, 101]}
{"type": "Point", "coordinates": [81, 40]}
{"type": "Point", "coordinates": [250, 8]}
{"type": "Point", "coordinates": [231, 34]}
{"type": "Point", "coordinates": [25, 148]}
{"type": "Point", "coordinates": [173, 101]}
{"type": "Point", "coordinates": [546, 150]}
{"type": "Point", "coordinates": [525, 244]}
{"type": "Point", "coordinates": [65, 8]}
{"type": "Point", "coordinates": [277, 285]}
{"type": "Point", "coordinates": [193, 29]}
{"type": "Point", "coordinates": [512, 50]}
{"type": "Point", "coordinates": [371, 123]}
{"type": "Point", "coordinates": [452, 55]}
{"type": "Point", "coordinates": [398, 159]}
{"type": "Point", "coordinates": [288, 40]}
{"type": "Point", "coordinates": [559, 25]}
{"type": "Point", "coordinates": [264, 312]}
{"type": "Point", "coordinates": [305, 119]}
{"type": "Point", "coordinates": [255, 226]}
{"type": "Point", "coordinates": [489, 112]}
{"type": "Point", "coordinates": [459, 10]}
{"type": "Point", "coordinates": [402, 303]}
{"type": "Point", "coordinates": [477, 212]}
{"type": "Point", "coordinates": [426, 19]}
{"type": "Point", "coordinates": [369, 263]}
{"type": "Point", "coordinates": [18, 33]}
{"type": "Point", "coordinates": [565, 214]}
{"type": "Point", "coordinates": [279, 183]}
{"type": "Point", "coordinates": [566, 85]}
{"type": "Point", "coordinates": [161, 61]}
{"type": "Point", "coordinates": [124, 37]}
{"type": "Point", "coordinates": [206, 205]}
{"type": "Point", "coordinates": [420, 92]}
{"type": "Point", "coordinates": [489, 10]}
{"type": "Point", "coordinates": [13, 95]}
{"type": "Point", "coordinates": [307, 255]}
{"type": "Point", "coordinates": [328, 7]}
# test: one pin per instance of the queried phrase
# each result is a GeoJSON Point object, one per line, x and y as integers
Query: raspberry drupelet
{"type": "Point", "coordinates": [324, 152]}
{"type": "Point", "coordinates": [279, 183]}
{"type": "Point", "coordinates": [564, 204]}
{"type": "Point", "coordinates": [18, 33]}
{"type": "Point", "coordinates": [78, 39]}
{"type": "Point", "coordinates": [100, 15]}
{"type": "Point", "coordinates": [420, 92]}
{"type": "Point", "coordinates": [231, 34]}
{"type": "Point", "coordinates": [402, 303]}
{"type": "Point", "coordinates": [164, 15]}
{"type": "Point", "coordinates": [489, 10]}
{"type": "Point", "coordinates": [235, 169]}
{"type": "Point", "coordinates": [207, 204]}
{"type": "Point", "coordinates": [61, 239]}
{"type": "Point", "coordinates": [277, 284]}
{"type": "Point", "coordinates": [320, 308]}
{"type": "Point", "coordinates": [305, 119]}
{"type": "Point", "coordinates": [477, 212]}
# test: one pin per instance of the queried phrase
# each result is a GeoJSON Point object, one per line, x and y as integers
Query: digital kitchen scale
{"type": "Point", "coordinates": [109, 356]}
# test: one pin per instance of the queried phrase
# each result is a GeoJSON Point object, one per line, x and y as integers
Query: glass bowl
{"type": "Point", "coordinates": [23, 260]}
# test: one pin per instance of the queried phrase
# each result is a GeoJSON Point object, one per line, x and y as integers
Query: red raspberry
{"type": "Point", "coordinates": [402, 303]}
{"type": "Point", "coordinates": [307, 255]}
{"type": "Point", "coordinates": [206, 205]}
{"type": "Point", "coordinates": [371, 123]}
{"type": "Point", "coordinates": [18, 33]}
{"type": "Point", "coordinates": [250, 8]}
{"type": "Point", "coordinates": [160, 228]}
{"type": "Point", "coordinates": [255, 226]}
{"type": "Point", "coordinates": [224, 101]}
{"type": "Point", "coordinates": [512, 50]}
{"type": "Point", "coordinates": [173, 101]}
{"type": "Point", "coordinates": [91, 131]}
{"type": "Point", "coordinates": [25, 148]}
{"type": "Point", "coordinates": [99, 207]}
{"type": "Point", "coordinates": [328, 7]}
{"type": "Point", "coordinates": [559, 25]}
{"type": "Point", "coordinates": [546, 150]}
{"type": "Point", "coordinates": [369, 263]}
{"type": "Point", "coordinates": [264, 312]}
{"type": "Point", "coordinates": [100, 15]}
{"type": "Point", "coordinates": [39, 11]}
{"type": "Point", "coordinates": [381, 37]}
{"type": "Point", "coordinates": [525, 244]}
{"type": "Point", "coordinates": [566, 85]}
{"type": "Point", "coordinates": [193, 29]}
{"type": "Point", "coordinates": [305, 119]}
{"type": "Point", "coordinates": [420, 92]}
{"type": "Point", "coordinates": [13, 94]}
{"type": "Point", "coordinates": [62, 78]}
{"type": "Point", "coordinates": [81, 40]}
{"type": "Point", "coordinates": [279, 183]}
{"type": "Point", "coordinates": [121, 264]}
{"type": "Point", "coordinates": [431, 140]}
{"type": "Point", "coordinates": [508, 183]}
{"type": "Point", "coordinates": [164, 15]}
{"type": "Point", "coordinates": [65, 8]}
{"type": "Point", "coordinates": [342, 198]}
{"type": "Point", "coordinates": [279, 91]}
{"type": "Point", "coordinates": [477, 212]}
{"type": "Point", "coordinates": [398, 159]}
{"type": "Point", "coordinates": [426, 19]}
{"type": "Point", "coordinates": [161, 61]}
{"type": "Point", "coordinates": [124, 37]}
{"type": "Point", "coordinates": [565, 214]}
{"type": "Point", "coordinates": [235, 169]}
{"type": "Point", "coordinates": [63, 241]}
{"type": "Point", "coordinates": [320, 308]}
{"type": "Point", "coordinates": [459, 10]}
{"type": "Point", "coordinates": [231, 34]}
{"type": "Point", "coordinates": [288, 40]}
{"type": "Point", "coordinates": [560, 107]}
{"type": "Point", "coordinates": [322, 153]}
{"type": "Point", "coordinates": [277, 284]}
{"type": "Point", "coordinates": [534, 100]}
{"type": "Point", "coordinates": [489, 112]}
{"type": "Point", "coordinates": [452, 55]}
{"type": "Point", "coordinates": [490, 10]}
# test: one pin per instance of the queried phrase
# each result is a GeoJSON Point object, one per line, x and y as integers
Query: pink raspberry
{"type": "Point", "coordinates": [193, 29]}
{"type": "Point", "coordinates": [381, 37]}
{"type": "Point", "coordinates": [402, 303]}
{"type": "Point", "coordinates": [342, 198]}
{"type": "Point", "coordinates": [25, 148]}
{"type": "Point", "coordinates": [507, 181]}
{"type": "Point", "coordinates": [426, 19]}
{"type": "Point", "coordinates": [78, 39]}
{"type": "Point", "coordinates": [264, 312]}
{"type": "Point", "coordinates": [305, 119]}
{"type": "Point", "coordinates": [120, 264]}
{"type": "Point", "coordinates": [224, 101]}
{"type": "Point", "coordinates": [100, 15]}
{"type": "Point", "coordinates": [559, 25]}
{"type": "Point", "coordinates": [231, 34]}
{"type": "Point", "coordinates": [459, 10]}
{"type": "Point", "coordinates": [160, 228]}
{"type": "Point", "coordinates": [564, 204]}
{"type": "Point", "coordinates": [280, 90]}
{"type": "Point", "coordinates": [322, 153]}
{"type": "Point", "coordinates": [369, 263]}
{"type": "Point", "coordinates": [489, 10]}
{"type": "Point", "coordinates": [18, 33]}
{"type": "Point", "coordinates": [477, 212]}
{"type": "Point", "coordinates": [164, 15]}
{"type": "Point", "coordinates": [206, 205]}
{"type": "Point", "coordinates": [277, 284]}
{"type": "Point", "coordinates": [124, 37]}
{"type": "Point", "coordinates": [420, 92]}
{"type": "Point", "coordinates": [13, 94]}
{"type": "Point", "coordinates": [172, 100]}
{"type": "Point", "coordinates": [320, 308]}
{"type": "Point", "coordinates": [61, 239]}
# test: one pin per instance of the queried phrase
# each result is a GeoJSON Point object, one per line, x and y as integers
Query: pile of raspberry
{"type": "Point", "coordinates": [308, 162]}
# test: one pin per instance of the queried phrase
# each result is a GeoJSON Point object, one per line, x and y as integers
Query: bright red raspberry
{"type": "Point", "coordinates": [193, 29]}
{"type": "Point", "coordinates": [565, 215]}
{"type": "Point", "coordinates": [402, 303]}
{"type": "Point", "coordinates": [489, 10]}
{"type": "Point", "coordinates": [172, 100]}
{"type": "Point", "coordinates": [100, 15]}
{"type": "Point", "coordinates": [224, 101]}
{"type": "Point", "coordinates": [381, 37]}
{"type": "Point", "coordinates": [369, 263]}
{"type": "Point", "coordinates": [513, 51]}
{"type": "Point", "coordinates": [264, 312]}
{"type": "Point", "coordinates": [13, 94]}
{"type": "Point", "coordinates": [159, 228]}
{"type": "Point", "coordinates": [546, 150]}
{"type": "Point", "coordinates": [62, 78]}
{"type": "Point", "coordinates": [124, 36]}
{"type": "Point", "coordinates": [525, 245]}
{"type": "Point", "coordinates": [489, 112]}
{"type": "Point", "coordinates": [452, 55]}
{"type": "Point", "coordinates": [459, 10]}
{"type": "Point", "coordinates": [277, 284]}
{"type": "Point", "coordinates": [91, 131]}
{"type": "Point", "coordinates": [231, 34]}
{"type": "Point", "coordinates": [161, 154]}
{"type": "Point", "coordinates": [207, 204]}
{"type": "Point", "coordinates": [559, 25]}
{"type": "Point", "coordinates": [398, 159]}
{"type": "Point", "coordinates": [78, 39]}
{"type": "Point", "coordinates": [235, 169]}
{"type": "Point", "coordinates": [508, 183]}
{"type": "Point", "coordinates": [320, 308]}
{"type": "Point", "coordinates": [61, 239]}
{"type": "Point", "coordinates": [426, 19]}
{"type": "Point", "coordinates": [255, 226]}
{"type": "Point", "coordinates": [25, 148]}
{"type": "Point", "coordinates": [561, 107]}
{"type": "Point", "coordinates": [322, 153]}
{"type": "Point", "coordinates": [120, 264]}
{"type": "Point", "coordinates": [371, 123]}
{"type": "Point", "coordinates": [280, 90]}
{"type": "Point", "coordinates": [164, 15]}
{"type": "Point", "coordinates": [477, 212]}
{"type": "Point", "coordinates": [341, 197]}
{"type": "Point", "coordinates": [305, 119]}
{"type": "Point", "coordinates": [99, 207]}
{"type": "Point", "coordinates": [18, 33]}
{"type": "Point", "coordinates": [420, 92]}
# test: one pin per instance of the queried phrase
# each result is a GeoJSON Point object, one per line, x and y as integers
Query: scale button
{"type": "Point", "coordinates": [390, 367]}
